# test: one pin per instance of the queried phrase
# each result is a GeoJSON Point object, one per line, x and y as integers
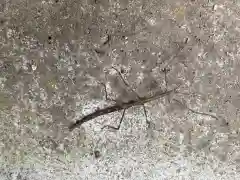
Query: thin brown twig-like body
{"type": "Point", "coordinates": [118, 107]}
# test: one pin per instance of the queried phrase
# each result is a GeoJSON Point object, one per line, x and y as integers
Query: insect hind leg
{"type": "Point", "coordinates": [119, 125]}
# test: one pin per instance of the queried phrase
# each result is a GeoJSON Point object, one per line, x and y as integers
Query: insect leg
{"type": "Point", "coordinates": [145, 113]}
{"type": "Point", "coordinates": [125, 82]}
{"type": "Point", "coordinates": [107, 98]}
{"type": "Point", "coordinates": [119, 125]}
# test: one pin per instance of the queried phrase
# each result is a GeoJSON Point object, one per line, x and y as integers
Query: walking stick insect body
{"type": "Point", "coordinates": [131, 103]}
{"type": "Point", "coordinates": [119, 106]}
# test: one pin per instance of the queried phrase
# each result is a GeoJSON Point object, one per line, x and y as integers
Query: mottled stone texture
{"type": "Point", "coordinates": [56, 54]}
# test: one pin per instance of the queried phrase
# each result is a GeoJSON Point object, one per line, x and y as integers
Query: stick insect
{"type": "Point", "coordinates": [125, 105]}
{"type": "Point", "coordinates": [121, 106]}
{"type": "Point", "coordinates": [118, 107]}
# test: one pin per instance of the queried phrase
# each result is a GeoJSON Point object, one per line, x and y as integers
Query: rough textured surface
{"type": "Point", "coordinates": [54, 57]}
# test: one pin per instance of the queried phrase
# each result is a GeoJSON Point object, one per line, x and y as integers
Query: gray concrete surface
{"type": "Point", "coordinates": [54, 57]}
